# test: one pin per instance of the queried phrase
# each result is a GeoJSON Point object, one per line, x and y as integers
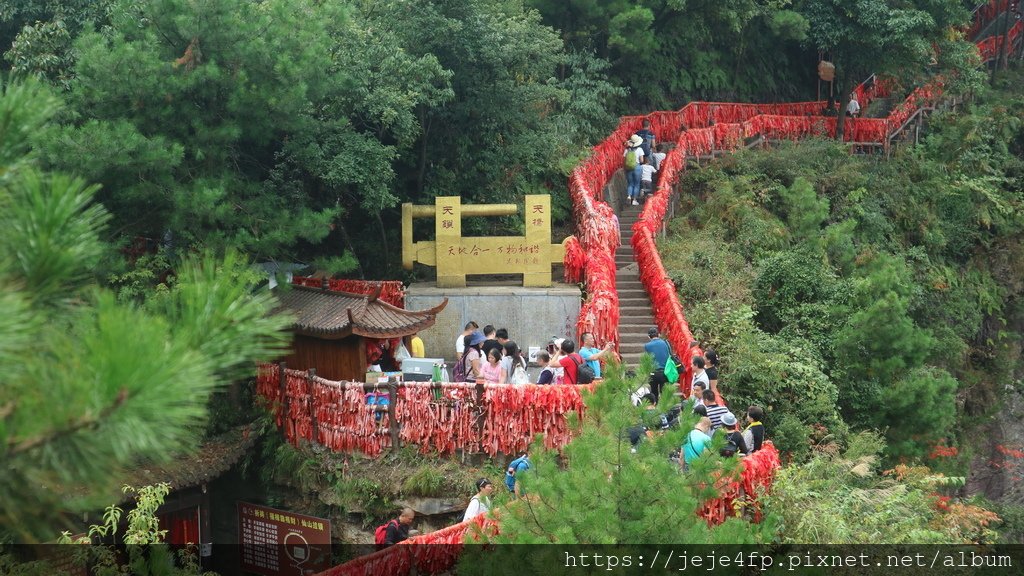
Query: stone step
{"type": "Point", "coordinates": [632, 300]}
{"type": "Point", "coordinates": [632, 324]}
{"type": "Point", "coordinates": [645, 324]}
{"type": "Point", "coordinates": [634, 311]}
{"type": "Point", "coordinates": [635, 344]}
{"type": "Point", "coordinates": [631, 348]}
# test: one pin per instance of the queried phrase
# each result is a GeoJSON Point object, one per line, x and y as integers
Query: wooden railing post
{"type": "Point", "coordinates": [393, 425]}
{"type": "Point", "coordinates": [285, 416]}
{"type": "Point", "coordinates": [481, 414]}
{"type": "Point", "coordinates": [311, 378]}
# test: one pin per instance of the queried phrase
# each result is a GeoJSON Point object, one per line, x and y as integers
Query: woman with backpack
{"type": "Point", "coordinates": [514, 365]}
{"type": "Point", "coordinates": [481, 502]}
{"type": "Point", "coordinates": [632, 156]}
{"type": "Point", "coordinates": [467, 369]}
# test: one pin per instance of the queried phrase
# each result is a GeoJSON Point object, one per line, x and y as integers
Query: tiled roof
{"type": "Point", "coordinates": [332, 315]}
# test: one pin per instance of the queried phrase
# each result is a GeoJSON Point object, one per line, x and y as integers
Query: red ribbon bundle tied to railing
{"type": "Point", "coordinates": [432, 553]}
{"type": "Point", "coordinates": [756, 476]}
{"type": "Point", "coordinates": [440, 417]}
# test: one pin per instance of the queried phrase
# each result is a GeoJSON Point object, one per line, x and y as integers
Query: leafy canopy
{"type": "Point", "coordinates": [93, 385]}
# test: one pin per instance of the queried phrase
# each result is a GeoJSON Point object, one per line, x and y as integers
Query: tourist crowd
{"type": "Point", "coordinates": [489, 355]}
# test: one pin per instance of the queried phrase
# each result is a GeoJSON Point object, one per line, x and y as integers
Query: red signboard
{"type": "Point", "coordinates": [279, 543]}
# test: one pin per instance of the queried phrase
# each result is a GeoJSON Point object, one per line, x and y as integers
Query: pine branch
{"type": "Point", "coordinates": [15, 447]}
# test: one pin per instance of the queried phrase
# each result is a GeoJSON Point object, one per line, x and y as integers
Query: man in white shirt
{"type": "Point", "coordinates": [647, 173]}
{"type": "Point", "coordinates": [699, 376]}
{"type": "Point", "coordinates": [853, 108]}
{"type": "Point", "coordinates": [460, 340]}
{"type": "Point", "coordinates": [658, 157]}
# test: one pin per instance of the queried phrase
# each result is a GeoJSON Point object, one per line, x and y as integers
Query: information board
{"type": "Point", "coordinates": [280, 543]}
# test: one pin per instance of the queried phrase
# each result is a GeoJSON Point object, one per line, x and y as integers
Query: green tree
{"type": "Point", "coordinates": [93, 385]}
{"type": "Point", "coordinates": [917, 411]}
{"type": "Point", "coordinates": [180, 109]}
{"type": "Point", "coordinates": [15, 15]}
{"type": "Point", "coordinates": [841, 499]}
{"type": "Point", "coordinates": [43, 50]}
{"type": "Point", "coordinates": [880, 341]}
{"type": "Point", "coordinates": [512, 120]}
{"type": "Point", "coordinates": [864, 37]}
{"type": "Point", "coordinates": [671, 51]}
{"type": "Point", "coordinates": [596, 491]}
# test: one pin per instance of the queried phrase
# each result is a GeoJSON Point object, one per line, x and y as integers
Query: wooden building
{"type": "Point", "coordinates": [331, 328]}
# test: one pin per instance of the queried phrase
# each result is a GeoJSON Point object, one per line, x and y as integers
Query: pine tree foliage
{"type": "Point", "coordinates": [91, 384]}
{"type": "Point", "coordinates": [596, 491]}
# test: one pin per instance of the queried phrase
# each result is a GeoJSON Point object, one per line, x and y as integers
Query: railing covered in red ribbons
{"type": "Point", "coordinates": [437, 417]}
{"type": "Point", "coordinates": [756, 477]}
{"type": "Point", "coordinates": [592, 259]}
{"type": "Point", "coordinates": [437, 552]}
{"type": "Point", "coordinates": [391, 291]}
{"type": "Point", "coordinates": [990, 48]}
{"type": "Point", "coordinates": [432, 553]}
{"type": "Point", "coordinates": [985, 14]}
{"type": "Point", "coordinates": [707, 127]}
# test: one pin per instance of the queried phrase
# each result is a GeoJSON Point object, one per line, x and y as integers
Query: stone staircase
{"type": "Point", "coordinates": [635, 316]}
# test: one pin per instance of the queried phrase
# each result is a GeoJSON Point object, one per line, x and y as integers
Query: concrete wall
{"type": "Point", "coordinates": [531, 315]}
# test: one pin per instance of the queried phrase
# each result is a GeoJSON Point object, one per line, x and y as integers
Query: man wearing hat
{"type": "Point", "coordinates": [633, 154]}
{"type": "Point", "coordinates": [658, 348]}
{"type": "Point", "coordinates": [729, 426]}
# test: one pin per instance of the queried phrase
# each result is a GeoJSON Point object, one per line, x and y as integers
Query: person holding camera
{"type": "Point", "coordinates": [554, 363]}
{"type": "Point", "coordinates": [592, 355]}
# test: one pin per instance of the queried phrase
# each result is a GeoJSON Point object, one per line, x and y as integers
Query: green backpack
{"type": "Point", "coordinates": [631, 159]}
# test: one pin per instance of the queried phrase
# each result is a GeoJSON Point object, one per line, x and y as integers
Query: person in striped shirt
{"type": "Point", "coordinates": [715, 412]}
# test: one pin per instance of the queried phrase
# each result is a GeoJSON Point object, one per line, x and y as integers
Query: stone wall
{"type": "Point", "coordinates": [531, 315]}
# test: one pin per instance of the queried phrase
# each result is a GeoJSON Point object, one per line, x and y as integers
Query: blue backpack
{"type": "Point", "coordinates": [513, 468]}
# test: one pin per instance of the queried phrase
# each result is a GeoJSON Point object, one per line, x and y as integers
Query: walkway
{"type": "Point", "coordinates": [635, 316]}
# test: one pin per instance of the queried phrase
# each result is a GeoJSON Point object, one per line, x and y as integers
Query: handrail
{"type": "Point", "coordinates": [585, 189]}
{"type": "Point", "coordinates": [444, 417]}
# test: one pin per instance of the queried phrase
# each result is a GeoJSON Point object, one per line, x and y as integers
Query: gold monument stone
{"type": "Point", "coordinates": [455, 256]}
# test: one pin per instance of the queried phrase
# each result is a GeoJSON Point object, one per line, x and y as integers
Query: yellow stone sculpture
{"type": "Point", "coordinates": [455, 256]}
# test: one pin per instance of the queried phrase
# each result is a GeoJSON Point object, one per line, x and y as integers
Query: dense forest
{"type": "Point", "coordinates": [279, 127]}
{"type": "Point", "coordinates": [872, 305]}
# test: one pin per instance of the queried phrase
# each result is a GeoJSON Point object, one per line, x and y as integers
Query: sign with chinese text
{"type": "Point", "coordinates": [279, 543]}
{"type": "Point", "coordinates": [455, 256]}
